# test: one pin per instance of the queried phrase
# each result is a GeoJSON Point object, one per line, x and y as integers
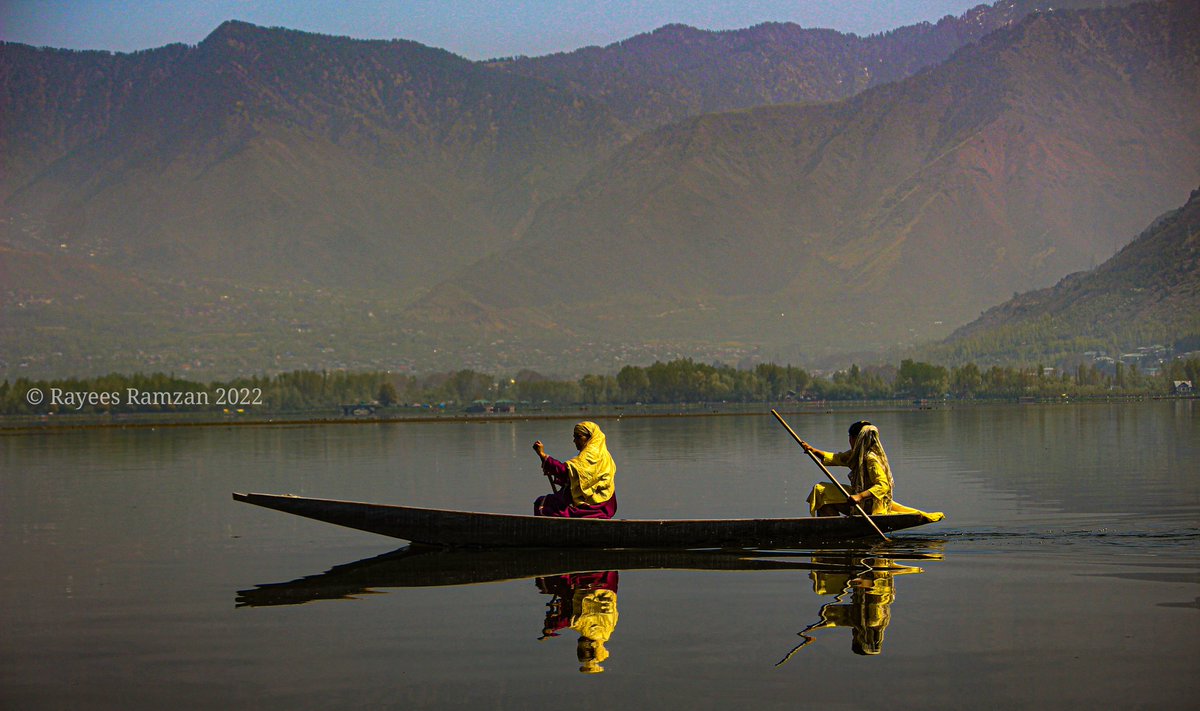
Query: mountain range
{"type": "Point", "coordinates": [878, 220]}
{"type": "Point", "coordinates": [679, 71]}
{"type": "Point", "coordinates": [268, 197]}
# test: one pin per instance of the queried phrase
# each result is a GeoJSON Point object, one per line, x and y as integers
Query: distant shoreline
{"type": "Point", "coordinates": [28, 424]}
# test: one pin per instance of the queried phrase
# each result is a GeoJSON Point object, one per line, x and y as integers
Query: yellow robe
{"type": "Point", "coordinates": [593, 472]}
{"type": "Point", "coordinates": [874, 481]}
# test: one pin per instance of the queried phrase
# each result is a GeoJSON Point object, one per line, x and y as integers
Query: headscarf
{"type": "Point", "coordinates": [867, 442]}
{"type": "Point", "coordinates": [593, 471]}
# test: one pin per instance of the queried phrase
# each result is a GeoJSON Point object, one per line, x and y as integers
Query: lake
{"type": "Point", "coordinates": [1067, 571]}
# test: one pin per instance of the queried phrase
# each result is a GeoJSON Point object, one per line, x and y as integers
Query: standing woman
{"type": "Point", "coordinates": [586, 483]}
{"type": "Point", "coordinates": [870, 475]}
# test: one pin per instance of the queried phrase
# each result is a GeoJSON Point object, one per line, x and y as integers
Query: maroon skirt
{"type": "Point", "coordinates": [560, 504]}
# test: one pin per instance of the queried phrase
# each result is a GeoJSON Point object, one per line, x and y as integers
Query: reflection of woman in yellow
{"type": "Point", "coordinates": [595, 624]}
{"type": "Point", "coordinates": [870, 610]}
{"type": "Point", "coordinates": [871, 586]}
{"type": "Point", "coordinates": [586, 603]}
{"type": "Point", "coordinates": [871, 593]}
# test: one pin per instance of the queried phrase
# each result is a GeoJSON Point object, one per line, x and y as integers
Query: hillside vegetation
{"type": "Point", "coordinates": [1148, 293]}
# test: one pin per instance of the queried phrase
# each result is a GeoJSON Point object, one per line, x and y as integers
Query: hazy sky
{"type": "Point", "coordinates": [475, 29]}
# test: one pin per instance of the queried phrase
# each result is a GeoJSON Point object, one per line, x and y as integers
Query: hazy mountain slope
{"type": "Point", "coordinates": [53, 101]}
{"type": "Point", "coordinates": [43, 297]}
{"type": "Point", "coordinates": [1149, 292]}
{"type": "Point", "coordinates": [679, 71]}
{"type": "Point", "coordinates": [1028, 156]}
{"type": "Point", "coordinates": [272, 155]}
{"type": "Point", "coordinates": [66, 316]}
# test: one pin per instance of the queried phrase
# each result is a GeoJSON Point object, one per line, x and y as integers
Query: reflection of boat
{"type": "Point", "coordinates": [419, 566]}
{"type": "Point", "coordinates": [583, 582]}
{"type": "Point", "coordinates": [467, 528]}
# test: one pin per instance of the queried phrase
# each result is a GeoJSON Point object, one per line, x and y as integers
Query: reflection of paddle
{"type": "Point", "coordinates": [818, 625]}
{"type": "Point", "coordinates": [837, 483]}
{"type": "Point", "coordinates": [808, 639]}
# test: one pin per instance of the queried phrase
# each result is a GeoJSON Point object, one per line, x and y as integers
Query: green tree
{"type": "Point", "coordinates": [633, 383]}
{"type": "Point", "coordinates": [921, 379]}
{"type": "Point", "coordinates": [966, 381]}
{"type": "Point", "coordinates": [387, 395]}
{"type": "Point", "coordinates": [597, 388]}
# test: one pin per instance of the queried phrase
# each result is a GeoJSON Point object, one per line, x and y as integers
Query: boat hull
{"type": "Point", "coordinates": [489, 530]}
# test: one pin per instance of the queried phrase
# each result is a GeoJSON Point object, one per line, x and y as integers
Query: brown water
{"type": "Point", "coordinates": [1067, 571]}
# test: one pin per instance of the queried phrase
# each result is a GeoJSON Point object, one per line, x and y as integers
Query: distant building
{"type": "Point", "coordinates": [1182, 387]}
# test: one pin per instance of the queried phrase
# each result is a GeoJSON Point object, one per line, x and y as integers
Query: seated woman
{"type": "Point", "coordinates": [585, 484]}
{"type": "Point", "coordinates": [871, 482]}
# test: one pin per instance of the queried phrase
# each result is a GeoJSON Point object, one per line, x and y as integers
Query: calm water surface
{"type": "Point", "coordinates": [1067, 570]}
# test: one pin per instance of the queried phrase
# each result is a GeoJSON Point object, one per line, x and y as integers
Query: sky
{"type": "Point", "coordinates": [475, 29]}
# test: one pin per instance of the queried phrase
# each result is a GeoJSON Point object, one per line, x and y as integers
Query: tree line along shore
{"type": "Point", "coordinates": [677, 381]}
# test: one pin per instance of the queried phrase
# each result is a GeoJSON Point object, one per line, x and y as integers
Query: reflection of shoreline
{"type": "Point", "coordinates": [46, 422]}
{"type": "Point", "coordinates": [19, 424]}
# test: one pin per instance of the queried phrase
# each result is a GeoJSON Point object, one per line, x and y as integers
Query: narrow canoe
{"type": "Point", "coordinates": [440, 527]}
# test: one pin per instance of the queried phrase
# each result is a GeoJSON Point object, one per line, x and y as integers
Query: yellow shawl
{"type": "Point", "coordinates": [593, 472]}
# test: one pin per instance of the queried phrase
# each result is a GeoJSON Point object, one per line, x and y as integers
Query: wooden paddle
{"type": "Point", "coordinates": [836, 483]}
{"type": "Point", "coordinates": [553, 487]}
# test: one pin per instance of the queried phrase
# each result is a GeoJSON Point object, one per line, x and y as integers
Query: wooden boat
{"type": "Point", "coordinates": [440, 527]}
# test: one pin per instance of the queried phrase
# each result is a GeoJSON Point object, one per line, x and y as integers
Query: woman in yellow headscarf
{"type": "Point", "coordinates": [871, 483]}
{"type": "Point", "coordinates": [585, 484]}
{"type": "Point", "coordinates": [870, 475]}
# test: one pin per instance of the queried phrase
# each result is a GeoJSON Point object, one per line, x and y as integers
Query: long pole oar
{"type": "Point", "coordinates": [836, 483]}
